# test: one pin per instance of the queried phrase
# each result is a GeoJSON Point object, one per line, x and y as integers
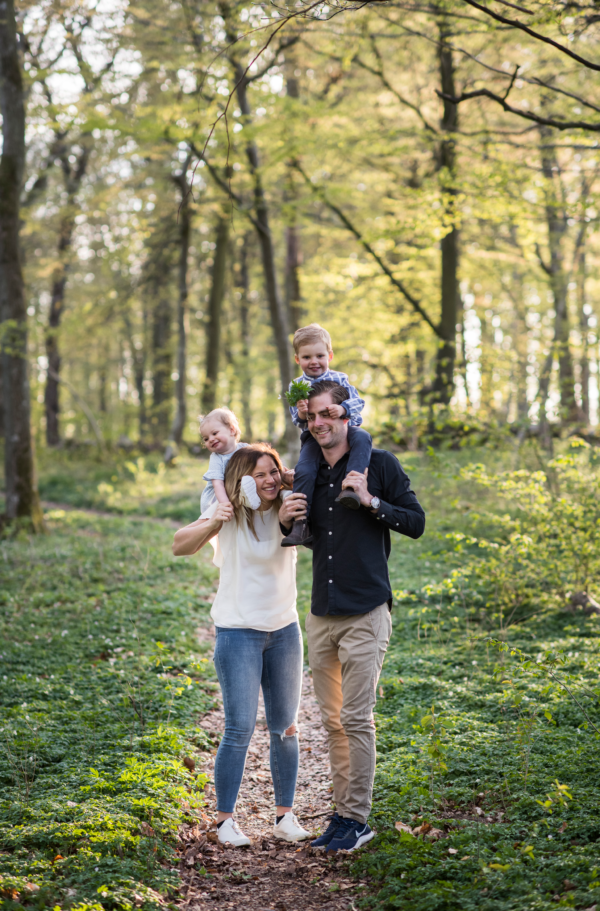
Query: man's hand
{"type": "Point", "coordinates": [302, 407]}
{"type": "Point", "coordinates": [224, 513]}
{"type": "Point", "coordinates": [293, 507]}
{"type": "Point", "coordinates": [337, 411]}
{"type": "Point", "coordinates": [358, 483]}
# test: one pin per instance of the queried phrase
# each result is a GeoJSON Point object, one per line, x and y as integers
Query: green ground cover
{"type": "Point", "coordinates": [102, 680]}
{"type": "Point", "coordinates": [96, 716]}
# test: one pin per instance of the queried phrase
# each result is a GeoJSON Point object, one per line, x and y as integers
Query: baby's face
{"type": "Point", "coordinates": [314, 359]}
{"type": "Point", "coordinates": [218, 437]}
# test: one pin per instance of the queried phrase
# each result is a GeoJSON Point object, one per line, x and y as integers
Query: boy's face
{"type": "Point", "coordinates": [314, 359]}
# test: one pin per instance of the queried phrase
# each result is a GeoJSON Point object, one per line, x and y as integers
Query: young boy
{"type": "Point", "coordinates": [313, 353]}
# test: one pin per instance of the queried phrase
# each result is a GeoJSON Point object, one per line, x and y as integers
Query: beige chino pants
{"type": "Point", "coordinates": [345, 654]}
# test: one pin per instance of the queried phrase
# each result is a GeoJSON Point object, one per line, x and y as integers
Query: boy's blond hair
{"type": "Point", "coordinates": [308, 335]}
{"type": "Point", "coordinates": [226, 417]}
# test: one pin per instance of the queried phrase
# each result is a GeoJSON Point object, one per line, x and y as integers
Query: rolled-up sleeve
{"type": "Point", "coordinates": [399, 510]}
{"type": "Point", "coordinates": [216, 468]}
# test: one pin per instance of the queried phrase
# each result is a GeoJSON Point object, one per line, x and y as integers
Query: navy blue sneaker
{"type": "Point", "coordinates": [351, 835]}
{"type": "Point", "coordinates": [323, 840]}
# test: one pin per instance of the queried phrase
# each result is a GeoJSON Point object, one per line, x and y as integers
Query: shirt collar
{"type": "Point", "coordinates": [316, 379]}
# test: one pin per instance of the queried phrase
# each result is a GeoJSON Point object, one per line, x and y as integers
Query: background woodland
{"type": "Point", "coordinates": [201, 179]}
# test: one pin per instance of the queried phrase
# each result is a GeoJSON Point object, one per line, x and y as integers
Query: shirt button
{"type": "Point", "coordinates": [383, 515]}
{"type": "Point", "coordinates": [331, 485]}
{"type": "Point", "coordinates": [331, 580]}
{"type": "Point", "coordinates": [330, 557]}
{"type": "Point", "coordinates": [330, 532]}
{"type": "Point", "coordinates": [330, 508]}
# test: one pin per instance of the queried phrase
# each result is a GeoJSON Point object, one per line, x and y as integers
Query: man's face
{"type": "Point", "coordinates": [328, 432]}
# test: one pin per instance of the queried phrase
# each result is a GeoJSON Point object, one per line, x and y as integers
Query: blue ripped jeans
{"type": "Point", "coordinates": [245, 660]}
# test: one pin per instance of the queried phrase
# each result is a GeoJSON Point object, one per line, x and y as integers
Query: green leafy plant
{"type": "Point", "coordinates": [298, 391]}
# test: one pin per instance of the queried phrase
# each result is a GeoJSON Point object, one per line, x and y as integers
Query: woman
{"type": "Point", "coordinates": [258, 635]}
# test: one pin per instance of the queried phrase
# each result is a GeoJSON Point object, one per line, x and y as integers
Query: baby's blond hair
{"type": "Point", "coordinates": [308, 335]}
{"type": "Point", "coordinates": [226, 417]}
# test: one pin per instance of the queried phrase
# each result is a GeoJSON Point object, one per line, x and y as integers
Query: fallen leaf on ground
{"type": "Point", "coordinates": [453, 851]}
{"type": "Point", "coordinates": [402, 827]}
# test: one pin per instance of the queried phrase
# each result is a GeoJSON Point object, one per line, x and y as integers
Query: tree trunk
{"type": "Point", "coordinates": [293, 254]}
{"type": "Point", "coordinates": [184, 245]}
{"type": "Point", "coordinates": [557, 224]}
{"type": "Point", "coordinates": [138, 356]}
{"type": "Point", "coordinates": [277, 309]}
{"type": "Point", "coordinates": [73, 176]}
{"type": "Point", "coordinates": [162, 365]}
{"type": "Point", "coordinates": [215, 307]}
{"type": "Point", "coordinates": [22, 500]}
{"type": "Point", "coordinates": [443, 384]}
{"type": "Point", "coordinates": [243, 284]}
{"type": "Point", "coordinates": [584, 329]}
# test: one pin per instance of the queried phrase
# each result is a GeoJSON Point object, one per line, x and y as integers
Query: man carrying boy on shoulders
{"type": "Point", "coordinates": [313, 353]}
{"type": "Point", "coordinates": [349, 625]}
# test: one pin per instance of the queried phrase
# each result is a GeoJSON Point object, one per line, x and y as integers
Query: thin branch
{"type": "Point", "coordinates": [415, 304]}
{"type": "Point", "coordinates": [514, 23]}
{"type": "Point", "coordinates": [527, 115]}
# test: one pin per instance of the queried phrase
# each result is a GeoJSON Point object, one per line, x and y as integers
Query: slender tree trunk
{"type": "Point", "coordinates": [277, 308]}
{"type": "Point", "coordinates": [443, 384]}
{"type": "Point", "coordinates": [162, 365]}
{"type": "Point", "coordinates": [22, 500]}
{"type": "Point", "coordinates": [215, 308]}
{"type": "Point", "coordinates": [584, 328]}
{"type": "Point", "coordinates": [184, 246]}
{"type": "Point", "coordinates": [293, 254]}
{"type": "Point", "coordinates": [243, 284]}
{"type": "Point", "coordinates": [557, 225]}
{"type": "Point", "coordinates": [73, 176]}
{"type": "Point", "coordinates": [139, 356]}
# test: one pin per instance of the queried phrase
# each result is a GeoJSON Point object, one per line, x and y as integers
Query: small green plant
{"type": "Point", "coordinates": [298, 391]}
{"type": "Point", "coordinates": [556, 799]}
{"type": "Point", "coordinates": [432, 725]}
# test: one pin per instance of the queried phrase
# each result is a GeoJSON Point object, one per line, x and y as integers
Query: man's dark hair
{"type": "Point", "coordinates": [338, 393]}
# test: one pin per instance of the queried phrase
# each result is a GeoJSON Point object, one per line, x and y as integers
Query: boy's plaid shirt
{"type": "Point", "coordinates": [354, 405]}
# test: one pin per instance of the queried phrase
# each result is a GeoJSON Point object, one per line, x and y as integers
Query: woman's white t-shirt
{"type": "Point", "coordinates": [257, 588]}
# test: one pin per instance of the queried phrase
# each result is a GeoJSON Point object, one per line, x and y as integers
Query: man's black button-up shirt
{"type": "Point", "coordinates": [351, 547]}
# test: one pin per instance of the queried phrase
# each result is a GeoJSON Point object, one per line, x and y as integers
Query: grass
{"type": "Point", "coordinates": [97, 715]}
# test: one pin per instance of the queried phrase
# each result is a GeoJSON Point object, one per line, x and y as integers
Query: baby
{"type": "Point", "coordinates": [220, 432]}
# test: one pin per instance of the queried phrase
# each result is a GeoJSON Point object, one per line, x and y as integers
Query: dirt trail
{"type": "Point", "coordinates": [269, 874]}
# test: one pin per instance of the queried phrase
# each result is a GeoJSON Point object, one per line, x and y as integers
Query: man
{"type": "Point", "coordinates": [349, 625]}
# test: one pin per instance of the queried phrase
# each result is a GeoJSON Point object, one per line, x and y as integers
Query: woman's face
{"type": "Point", "coordinates": [268, 479]}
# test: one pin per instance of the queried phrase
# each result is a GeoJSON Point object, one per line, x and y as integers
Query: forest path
{"type": "Point", "coordinates": [269, 875]}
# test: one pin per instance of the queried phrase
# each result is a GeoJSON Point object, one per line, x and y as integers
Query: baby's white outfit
{"type": "Point", "coordinates": [216, 472]}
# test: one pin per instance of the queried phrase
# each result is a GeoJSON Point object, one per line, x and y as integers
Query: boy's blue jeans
{"type": "Point", "coordinates": [307, 468]}
{"type": "Point", "coordinates": [247, 659]}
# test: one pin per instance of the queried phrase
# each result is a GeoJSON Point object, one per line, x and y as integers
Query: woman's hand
{"type": "Point", "coordinates": [224, 513]}
{"type": "Point", "coordinates": [293, 507]}
{"type": "Point", "coordinates": [287, 478]}
{"type": "Point", "coordinates": [193, 537]}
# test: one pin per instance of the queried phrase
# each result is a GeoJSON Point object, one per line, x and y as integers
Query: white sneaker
{"type": "Point", "coordinates": [250, 495]}
{"type": "Point", "coordinates": [288, 829]}
{"type": "Point", "coordinates": [231, 832]}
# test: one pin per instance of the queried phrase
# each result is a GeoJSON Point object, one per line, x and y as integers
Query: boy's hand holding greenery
{"type": "Point", "coordinates": [298, 391]}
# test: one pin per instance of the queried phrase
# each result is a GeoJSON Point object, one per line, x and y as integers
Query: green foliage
{"type": "Point", "coordinates": [298, 391]}
{"type": "Point", "coordinates": [103, 682]}
{"type": "Point", "coordinates": [544, 547]}
{"type": "Point", "coordinates": [507, 763]}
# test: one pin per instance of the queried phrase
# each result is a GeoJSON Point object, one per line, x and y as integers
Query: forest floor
{"type": "Point", "coordinates": [105, 689]}
{"type": "Point", "coordinates": [269, 874]}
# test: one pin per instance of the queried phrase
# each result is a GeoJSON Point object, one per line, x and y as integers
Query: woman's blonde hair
{"type": "Point", "coordinates": [241, 463]}
{"type": "Point", "coordinates": [226, 417]}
